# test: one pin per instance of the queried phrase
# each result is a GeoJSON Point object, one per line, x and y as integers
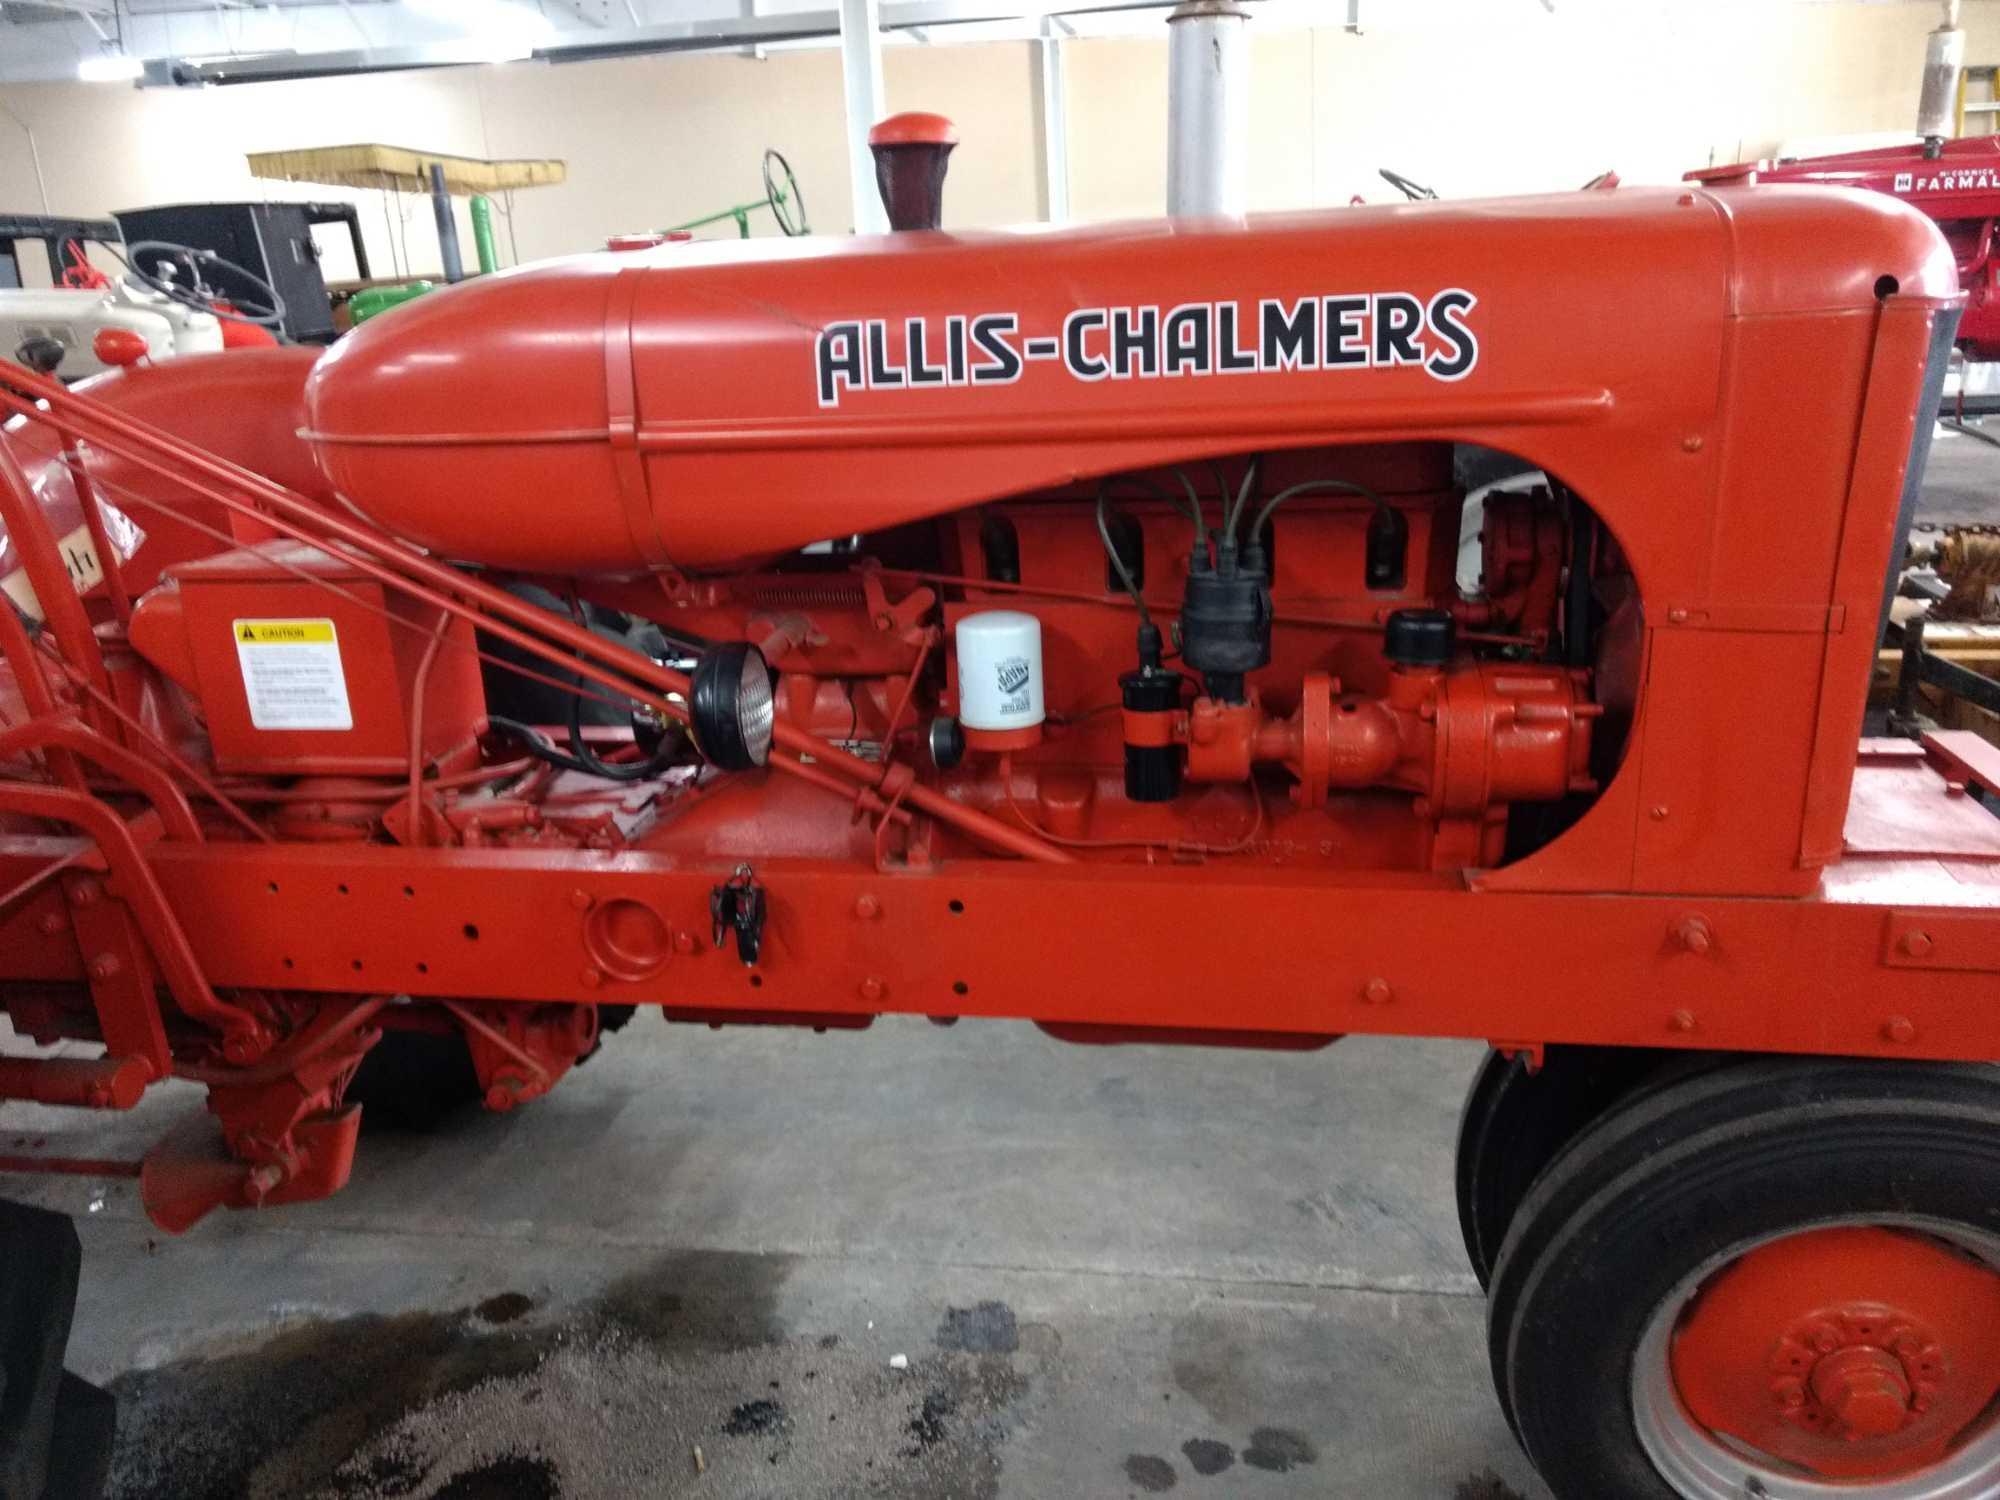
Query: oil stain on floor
{"type": "Point", "coordinates": [679, 1380]}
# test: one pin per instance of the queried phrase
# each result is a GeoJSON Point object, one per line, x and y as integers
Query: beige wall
{"type": "Point", "coordinates": [1474, 96]}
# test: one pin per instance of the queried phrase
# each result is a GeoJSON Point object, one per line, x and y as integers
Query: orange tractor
{"type": "Point", "coordinates": [1072, 626]}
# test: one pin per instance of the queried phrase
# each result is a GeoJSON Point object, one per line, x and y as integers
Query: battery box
{"type": "Point", "coordinates": [303, 665]}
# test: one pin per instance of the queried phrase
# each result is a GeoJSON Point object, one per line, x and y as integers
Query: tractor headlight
{"type": "Point", "coordinates": [731, 706]}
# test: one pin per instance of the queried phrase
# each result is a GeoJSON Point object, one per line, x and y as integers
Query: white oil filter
{"type": "Point", "coordinates": [999, 671]}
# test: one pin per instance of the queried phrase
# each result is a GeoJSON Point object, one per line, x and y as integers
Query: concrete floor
{"type": "Point", "coordinates": [1962, 479]}
{"type": "Point", "coordinates": [1113, 1273]}
{"type": "Point", "coordinates": [1110, 1271]}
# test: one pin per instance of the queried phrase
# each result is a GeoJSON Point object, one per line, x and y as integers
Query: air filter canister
{"type": "Point", "coordinates": [1000, 679]}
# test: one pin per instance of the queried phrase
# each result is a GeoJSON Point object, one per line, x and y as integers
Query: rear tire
{"type": "Point", "coordinates": [1669, 1296]}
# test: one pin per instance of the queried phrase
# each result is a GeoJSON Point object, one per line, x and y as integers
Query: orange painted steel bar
{"type": "Point", "coordinates": [17, 650]}
{"type": "Point", "coordinates": [140, 890]}
{"type": "Point", "coordinates": [71, 736]}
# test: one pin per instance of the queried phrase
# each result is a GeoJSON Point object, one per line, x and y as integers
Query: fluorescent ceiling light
{"type": "Point", "coordinates": [109, 67]}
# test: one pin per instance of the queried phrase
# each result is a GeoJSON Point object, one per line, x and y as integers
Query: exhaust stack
{"type": "Point", "coordinates": [1944, 66]}
{"type": "Point", "coordinates": [1208, 109]}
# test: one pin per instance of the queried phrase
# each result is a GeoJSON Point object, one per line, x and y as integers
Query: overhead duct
{"type": "Point", "coordinates": [1208, 109]}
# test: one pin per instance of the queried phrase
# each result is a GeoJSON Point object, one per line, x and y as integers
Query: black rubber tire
{"type": "Point", "coordinates": [81, 1437]}
{"type": "Point", "coordinates": [414, 1081]}
{"type": "Point", "coordinates": [1515, 1121]}
{"type": "Point", "coordinates": [610, 1018]}
{"type": "Point", "coordinates": [40, 1259]}
{"type": "Point", "coordinates": [1680, 1174]}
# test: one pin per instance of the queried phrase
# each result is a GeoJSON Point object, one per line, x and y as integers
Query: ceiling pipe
{"type": "Point", "coordinates": [710, 35]}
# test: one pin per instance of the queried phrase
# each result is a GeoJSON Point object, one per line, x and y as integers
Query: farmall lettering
{"type": "Point", "coordinates": [1353, 331]}
{"type": "Point", "coordinates": [1963, 180]}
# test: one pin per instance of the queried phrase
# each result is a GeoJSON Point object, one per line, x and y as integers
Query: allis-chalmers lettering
{"type": "Point", "coordinates": [1353, 331]}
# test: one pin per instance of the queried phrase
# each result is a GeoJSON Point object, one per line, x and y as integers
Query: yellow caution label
{"type": "Point", "coordinates": [284, 632]}
{"type": "Point", "coordinates": [292, 674]}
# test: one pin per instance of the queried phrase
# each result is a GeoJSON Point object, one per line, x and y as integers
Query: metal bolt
{"type": "Point", "coordinates": [52, 923]}
{"type": "Point", "coordinates": [873, 989]}
{"type": "Point", "coordinates": [1659, 812]}
{"type": "Point", "coordinates": [866, 906]}
{"type": "Point", "coordinates": [260, 1181]}
{"type": "Point", "coordinates": [1377, 992]}
{"type": "Point", "coordinates": [104, 966]}
{"type": "Point", "coordinates": [1790, 1391]}
{"type": "Point", "coordinates": [684, 942]}
{"type": "Point", "coordinates": [83, 893]}
{"type": "Point", "coordinates": [239, 1048]}
{"type": "Point", "coordinates": [1900, 1029]}
{"type": "Point", "coordinates": [1692, 443]}
{"type": "Point", "coordinates": [592, 976]}
{"type": "Point", "coordinates": [1695, 935]}
{"type": "Point", "coordinates": [1865, 1389]}
{"type": "Point", "coordinates": [1678, 614]}
{"type": "Point", "coordinates": [1682, 1020]}
{"type": "Point", "coordinates": [1917, 944]}
{"type": "Point", "coordinates": [580, 899]}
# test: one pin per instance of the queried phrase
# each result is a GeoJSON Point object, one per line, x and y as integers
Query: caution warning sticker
{"type": "Point", "coordinates": [292, 674]}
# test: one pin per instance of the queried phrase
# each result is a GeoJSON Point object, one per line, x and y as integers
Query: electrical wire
{"type": "Point", "coordinates": [1118, 565]}
{"type": "Point", "coordinates": [1242, 502]}
{"type": "Point", "coordinates": [587, 759]}
{"type": "Point", "coordinates": [542, 748]}
{"type": "Point", "coordinates": [1160, 492]}
{"type": "Point", "coordinates": [1223, 488]}
{"type": "Point", "coordinates": [1315, 486]}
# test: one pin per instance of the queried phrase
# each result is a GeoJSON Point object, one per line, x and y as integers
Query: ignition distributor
{"type": "Point", "coordinates": [1225, 625]}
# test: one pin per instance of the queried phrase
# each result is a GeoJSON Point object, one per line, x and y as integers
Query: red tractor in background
{"type": "Point", "coordinates": [1955, 184]}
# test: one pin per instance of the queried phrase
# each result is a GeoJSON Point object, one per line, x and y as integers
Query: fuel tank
{"type": "Point", "coordinates": [701, 405]}
{"type": "Point", "coordinates": [246, 406]}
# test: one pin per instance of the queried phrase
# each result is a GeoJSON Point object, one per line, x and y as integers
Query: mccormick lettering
{"type": "Point", "coordinates": [1349, 331]}
{"type": "Point", "coordinates": [1960, 180]}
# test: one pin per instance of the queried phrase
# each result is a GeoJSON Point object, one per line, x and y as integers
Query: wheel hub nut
{"type": "Point", "coordinates": [1864, 1389]}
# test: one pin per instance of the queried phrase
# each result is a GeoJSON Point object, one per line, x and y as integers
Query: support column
{"type": "Point", "coordinates": [1208, 108]}
{"type": "Point", "coordinates": [1052, 86]}
{"type": "Point", "coordinates": [861, 69]}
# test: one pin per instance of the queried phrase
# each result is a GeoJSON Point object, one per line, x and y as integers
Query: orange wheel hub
{"type": "Point", "coordinates": [1849, 1354]}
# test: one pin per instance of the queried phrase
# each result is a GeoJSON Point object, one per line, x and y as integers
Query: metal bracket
{"type": "Point", "coordinates": [738, 906]}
